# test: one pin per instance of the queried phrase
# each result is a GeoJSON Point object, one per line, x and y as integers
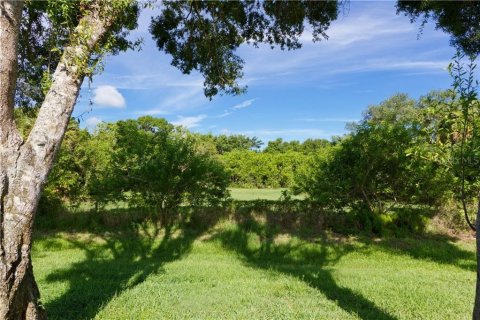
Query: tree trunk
{"type": "Point", "coordinates": [24, 165]}
{"type": "Point", "coordinates": [476, 307]}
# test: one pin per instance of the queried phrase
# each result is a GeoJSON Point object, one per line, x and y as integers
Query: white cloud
{"type": "Point", "coordinates": [224, 114]}
{"type": "Point", "coordinates": [108, 96]}
{"type": "Point", "coordinates": [189, 122]}
{"type": "Point", "coordinates": [153, 112]}
{"type": "Point", "coordinates": [136, 80]}
{"type": "Point", "coordinates": [370, 39]}
{"type": "Point", "coordinates": [357, 28]}
{"type": "Point", "coordinates": [244, 104]}
{"type": "Point", "coordinates": [92, 122]}
{"type": "Point", "coordinates": [328, 119]}
{"type": "Point", "coordinates": [400, 64]}
{"type": "Point", "coordinates": [241, 105]}
{"type": "Point", "coordinates": [184, 98]}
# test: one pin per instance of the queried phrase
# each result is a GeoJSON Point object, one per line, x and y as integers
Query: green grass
{"type": "Point", "coordinates": [241, 271]}
{"type": "Point", "coordinates": [243, 194]}
{"type": "Point", "coordinates": [255, 194]}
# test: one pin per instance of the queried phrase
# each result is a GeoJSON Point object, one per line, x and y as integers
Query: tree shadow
{"type": "Point", "coordinates": [416, 243]}
{"type": "Point", "coordinates": [434, 248]}
{"type": "Point", "coordinates": [118, 261]}
{"type": "Point", "coordinates": [309, 263]}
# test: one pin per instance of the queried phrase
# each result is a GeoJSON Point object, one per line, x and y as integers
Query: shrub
{"type": "Point", "coordinates": [158, 165]}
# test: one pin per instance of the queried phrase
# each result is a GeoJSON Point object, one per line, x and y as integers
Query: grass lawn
{"type": "Point", "coordinates": [232, 271]}
{"type": "Point", "coordinates": [255, 194]}
{"type": "Point", "coordinates": [242, 194]}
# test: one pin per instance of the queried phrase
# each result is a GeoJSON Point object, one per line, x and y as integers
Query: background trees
{"type": "Point", "coordinates": [397, 166]}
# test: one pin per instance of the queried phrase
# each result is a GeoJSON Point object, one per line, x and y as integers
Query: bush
{"type": "Point", "coordinates": [157, 165]}
{"type": "Point", "coordinates": [373, 168]}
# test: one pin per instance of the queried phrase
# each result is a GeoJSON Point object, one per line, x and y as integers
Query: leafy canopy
{"type": "Point", "coordinates": [461, 19]}
{"type": "Point", "coordinates": [199, 35]}
{"type": "Point", "coordinates": [204, 35]}
{"type": "Point", "coordinates": [47, 28]}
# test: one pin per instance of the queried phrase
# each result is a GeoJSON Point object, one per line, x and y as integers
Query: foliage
{"type": "Point", "coordinates": [227, 143]}
{"type": "Point", "coordinates": [458, 18]}
{"type": "Point", "coordinates": [373, 168]}
{"type": "Point", "coordinates": [46, 30]}
{"type": "Point", "coordinates": [248, 194]}
{"type": "Point", "coordinates": [157, 164]}
{"type": "Point", "coordinates": [146, 161]}
{"type": "Point", "coordinates": [263, 170]}
{"type": "Point", "coordinates": [309, 146]}
{"type": "Point", "coordinates": [204, 35]}
{"type": "Point", "coordinates": [67, 181]}
{"type": "Point", "coordinates": [403, 154]}
{"type": "Point", "coordinates": [100, 177]}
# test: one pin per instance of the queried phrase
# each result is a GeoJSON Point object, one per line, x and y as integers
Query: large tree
{"type": "Point", "coordinates": [91, 29]}
{"type": "Point", "coordinates": [461, 19]}
{"type": "Point", "coordinates": [57, 44]}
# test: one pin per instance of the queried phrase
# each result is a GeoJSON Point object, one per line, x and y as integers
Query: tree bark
{"type": "Point", "coordinates": [476, 306]}
{"type": "Point", "coordinates": [24, 165]}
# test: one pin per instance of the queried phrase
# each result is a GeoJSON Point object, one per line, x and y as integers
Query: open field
{"type": "Point", "coordinates": [242, 194]}
{"type": "Point", "coordinates": [234, 271]}
{"type": "Point", "coordinates": [255, 194]}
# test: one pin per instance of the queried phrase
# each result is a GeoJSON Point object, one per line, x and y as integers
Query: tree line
{"type": "Point", "coordinates": [403, 153]}
{"type": "Point", "coordinates": [150, 158]}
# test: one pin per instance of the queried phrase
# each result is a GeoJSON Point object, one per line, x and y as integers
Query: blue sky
{"type": "Point", "coordinates": [313, 92]}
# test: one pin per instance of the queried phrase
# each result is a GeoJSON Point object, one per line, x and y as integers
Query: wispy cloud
{"type": "Point", "coordinates": [370, 53]}
{"type": "Point", "coordinates": [328, 119]}
{"type": "Point", "coordinates": [231, 110]}
{"type": "Point", "coordinates": [352, 29]}
{"type": "Point", "coordinates": [153, 112]}
{"type": "Point", "coordinates": [226, 113]}
{"type": "Point", "coordinates": [150, 81]}
{"type": "Point", "coordinates": [189, 122]}
{"type": "Point", "coordinates": [356, 43]}
{"type": "Point", "coordinates": [244, 104]}
{"type": "Point", "coordinates": [181, 98]}
{"type": "Point", "coordinates": [108, 96]}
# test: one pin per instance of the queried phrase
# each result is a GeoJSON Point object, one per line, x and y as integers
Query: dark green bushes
{"type": "Point", "coordinates": [296, 217]}
{"type": "Point", "coordinates": [308, 219]}
{"type": "Point", "coordinates": [156, 165]}
{"type": "Point", "coordinates": [402, 155]}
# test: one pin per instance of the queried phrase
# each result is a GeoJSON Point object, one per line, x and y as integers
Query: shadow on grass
{"type": "Point", "coordinates": [412, 241]}
{"type": "Point", "coordinates": [310, 263]}
{"type": "Point", "coordinates": [119, 261]}
{"type": "Point", "coordinates": [433, 248]}
{"type": "Point", "coordinates": [124, 259]}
